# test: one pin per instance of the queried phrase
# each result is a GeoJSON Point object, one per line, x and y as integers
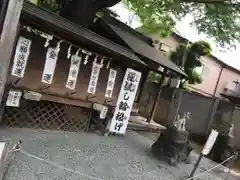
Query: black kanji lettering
{"type": "Point", "coordinates": [52, 55]}
{"type": "Point", "coordinates": [93, 83]}
{"type": "Point", "coordinates": [110, 83]}
{"type": "Point", "coordinates": [18, 71]}
{"type": "Point", "coordinates": [21, 57]}
{"type": "Point", "coordinates": [20, 64]}
{"type": "Point", "coordinates": [118, 126]}
{"type": "Point", "coordinates": [129, 86]}
{"type": "Point", "coordinates": [47, 77]}
{"type": "Point", "coordinates": [91, 90]}
{"type": "Point", "coordinates": [126, 96]}
{"type": "Point", "coordinates": [71, 83]}
{"type": "Point", "coordinates": [131, 76]}
{"type": "Point", "coordinates": [75, 62]}
{"type": "Point", "coordinates": [123, 106]}
{"type": "Point", "coordinates": [112, 75]}
{"type": "Point", "coordinates": [25, 43]}
{"type": "Point", "coordinates": [74, 73]}
{"type": "Point", "coordinates": [23, 49]}
{"type": "Point", "coordinates": [109, 93]}
{"type": "Point", "coordinates": [120, 116]}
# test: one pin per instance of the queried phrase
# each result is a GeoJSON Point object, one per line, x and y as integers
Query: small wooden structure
{"type": "Point", "coordinates": [59, 107]}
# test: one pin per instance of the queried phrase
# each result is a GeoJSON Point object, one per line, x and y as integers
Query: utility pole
{"type": "Point", "coordinates": [7, 39]}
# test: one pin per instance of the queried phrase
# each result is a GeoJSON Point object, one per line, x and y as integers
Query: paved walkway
{"type": "Point", "coordinates": [91, 157]}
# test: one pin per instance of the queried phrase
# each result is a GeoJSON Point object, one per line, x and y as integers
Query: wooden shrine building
{"type": "Point", "coordinates": [52, 105]}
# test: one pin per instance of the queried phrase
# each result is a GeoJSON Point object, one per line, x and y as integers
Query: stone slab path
{"type": "Point", "coordinates": [91, 157]}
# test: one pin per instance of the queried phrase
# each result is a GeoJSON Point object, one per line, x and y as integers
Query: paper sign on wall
{"type": "Point", "coordinates": [21, 57]}
{"type": "Point", "coordinates": [13, 98]}
{"type": "Point", "coordinates": [125, 101]}
{"type": "Point", "coordinates": [210, 142]}
{"type": "Point", "coordinates": [94, 78]}
{"type": "Point", "coordinates": [111, 83]}
{"type": "Point", "coordinates": [73, 72]}
{"type": "Point", "coordinates": [50, 65]}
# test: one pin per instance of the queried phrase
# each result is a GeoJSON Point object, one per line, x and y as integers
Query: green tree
{"type": "Point", "coordinates": [216, 18]}
{"type": "Point", "coordinates": [188, 58]}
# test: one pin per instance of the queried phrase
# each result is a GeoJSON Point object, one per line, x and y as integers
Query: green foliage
{"type": "Point", "coordinates": [154, 77]}
{"type": "Point", "coordinates": [218, 19]}
{"type": "Point", "coordinates": [53, 5]}
{"type": "Point", "coordinates": [188, 57]}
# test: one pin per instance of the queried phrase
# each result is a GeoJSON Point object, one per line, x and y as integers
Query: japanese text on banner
{"type": "Point", "coordinates": [21, 57]}
{"type": "Point", "coordinates": [50, 65]}
{"type": "Point", "coordinates": [73, 72]}
{"type": "Point", "coordinates": [125, 101]}
{"type": "Point", "coordinates": [13, 98]}
{"type": "Point", "coordinates": [94, 78]}
{"type": "Point", "coordinates": [111, 83]}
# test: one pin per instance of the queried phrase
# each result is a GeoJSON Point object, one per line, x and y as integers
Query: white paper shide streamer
{"type": "Point", "coordinates": [21, 57]}
{"type": "Point", "coordinates": [94, 78]}
{"type": "Point", "coordinates": [111, 83]}
{"type": "Point", "coordinates": [73, 72]}
{"type": "Point", "coordinates": [50, 65]}
{"type": "Point", "coordinates": [125, 101]}
{"type": "Point", "coordinates": [13, 98]}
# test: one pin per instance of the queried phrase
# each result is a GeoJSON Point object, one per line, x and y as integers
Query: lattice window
{"type": "Point", "coordinates": [46, 115]}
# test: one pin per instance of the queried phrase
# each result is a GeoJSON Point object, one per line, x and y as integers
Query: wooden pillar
{"type": "Point", "coordinates": [7, 39]}
{"type": "Point", "coordinates": [155, 104]}
{"type": "Point", "coordinates": [141, 85]}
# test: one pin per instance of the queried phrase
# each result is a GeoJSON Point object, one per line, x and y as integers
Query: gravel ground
{"type": "Point", "coordinates": [75, 156]}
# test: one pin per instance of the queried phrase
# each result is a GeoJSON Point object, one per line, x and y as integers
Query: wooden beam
{"type": "Point", "coordinates": [7, 39]}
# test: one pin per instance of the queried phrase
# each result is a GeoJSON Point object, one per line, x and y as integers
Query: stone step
{"type": "Point", "coordinates": [134, 111]}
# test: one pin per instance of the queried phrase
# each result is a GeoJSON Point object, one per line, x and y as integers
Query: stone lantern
{"type": "Point", "coordinates": [173, 144]}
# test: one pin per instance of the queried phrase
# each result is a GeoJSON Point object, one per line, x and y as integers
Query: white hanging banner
{"type": "Point", "coordinates": [73, 72]}
{"type": "Point", "coordinates": [13, 98]}
{"type": "Point", "coordinates": [111, 83]}
{"type": "Point", "coordinates": [125, 101]}
{"type": "Point", "coordinates": [94, 78]}
{"type": "Point", "coordinates": [21, 57]}
{"type": "Point", "coordinates": [210, 142]}
{"type": "Point", "coordinates": [50, 65]}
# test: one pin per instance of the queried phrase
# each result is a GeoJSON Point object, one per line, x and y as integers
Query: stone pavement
{"type": "Point", "coordinates": [91, 157]}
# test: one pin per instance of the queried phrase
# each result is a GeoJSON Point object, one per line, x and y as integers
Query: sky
{"type": "Point", "coordinates": [184, 29]}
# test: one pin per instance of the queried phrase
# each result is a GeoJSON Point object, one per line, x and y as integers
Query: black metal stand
{"type": "Point", "coordinates": [196, 165]}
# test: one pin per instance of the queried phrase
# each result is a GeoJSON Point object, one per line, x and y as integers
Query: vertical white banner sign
{"type": "Point", "coordinates": [50, 65]}
{"type": "Point", "coordinates": [13, 98]}
{"type": "Point", "coordinates": [21, 57]}
{"type": "Point", "coordinates": [125, 101]}
{"type": "Point", "coordinates": [111, 83]}
{"type": "Point", "coordinates": [94, 78]}
{"type": "Point", "coordinates": [210, 142]}
{"type": "Point", "coordinates": [73, 72]}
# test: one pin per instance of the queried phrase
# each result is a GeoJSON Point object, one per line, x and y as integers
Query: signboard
{"type": "Point", "coordinates": [21, 57]}
{"type": "Point", "coordinates": [13, 98]}
{"type": "Point", "coordinates": [210, 142]}
{"type": "Point", "coordinates": [73, 72]}
{"type": "Point", "coordinates": [33, 96]}
{"type": "Point", "coordinates": [50, 65]}
{"type": "Point", "coordinates": [111, 83]}
{"type": "Point", "coordinates": [94, 78]}
{"type": "Point", "coordinates": [125, 101]}
{"type": "Point", "coordinates": [102, 109]}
